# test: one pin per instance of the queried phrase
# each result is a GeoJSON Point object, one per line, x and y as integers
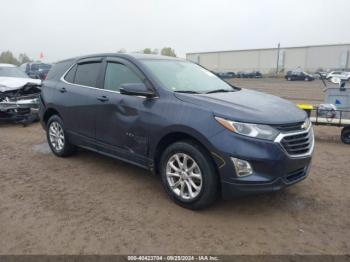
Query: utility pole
{"type": "Point", "coordinates": [278, 58]}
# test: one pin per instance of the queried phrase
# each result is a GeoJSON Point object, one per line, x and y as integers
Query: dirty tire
{"type": "Point", "coordinates": [65, 149]}
{"type": "Point", "coordinates": [208, 191]}
{"type": "Point", "coordinates": [345, 135]}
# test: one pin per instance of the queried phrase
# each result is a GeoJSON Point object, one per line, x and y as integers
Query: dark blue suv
{"type": "Point", "coordinates": [200, 134]}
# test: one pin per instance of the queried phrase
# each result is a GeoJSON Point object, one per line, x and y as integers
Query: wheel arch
{"type": "Point", "coordinates": [175, 136]}
{"type": "Point", "coordinates": [49, 113]}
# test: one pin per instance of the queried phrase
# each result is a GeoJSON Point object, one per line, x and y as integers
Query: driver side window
{"type": "Point", "coordinates": [118, 74]}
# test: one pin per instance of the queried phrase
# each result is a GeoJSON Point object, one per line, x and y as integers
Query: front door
{"type": "Point", "coordinates": [120, 126]}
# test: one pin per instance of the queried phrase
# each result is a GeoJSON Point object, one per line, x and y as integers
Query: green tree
{"type": "Point", "coordinates": [23, 58]}
{"type": "Point", "coordinates": [147, 51]}
{"type": "Point", "coordinates": [122, 51]}
{"type": "Point", "coordinates": [168, 51]}
{"type": "Point", "coordinates": [8, 58]}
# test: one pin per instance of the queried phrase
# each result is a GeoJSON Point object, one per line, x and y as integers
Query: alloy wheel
{"type": "Point", "coordinates": [56, 135]}
{"type": "Point", "coordinates": [184, 176]}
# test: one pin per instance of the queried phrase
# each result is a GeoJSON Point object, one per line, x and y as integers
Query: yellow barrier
{"type": "Point", "coordinates": [305, 106]}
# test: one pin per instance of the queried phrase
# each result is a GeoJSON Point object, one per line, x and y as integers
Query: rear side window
{"type": "Point", "coordinates": [118, 74]}
{"type": "Point", "coordinates": [86, 74]}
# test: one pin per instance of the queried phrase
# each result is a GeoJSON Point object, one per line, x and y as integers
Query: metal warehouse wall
{"type": "Point", "coordinates": [309, 58]}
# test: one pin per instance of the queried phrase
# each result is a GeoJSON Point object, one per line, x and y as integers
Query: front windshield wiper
{"type": "Point", "coordinates": [219, 91]}
{"type": "Point", "coordinates": [186, 91]}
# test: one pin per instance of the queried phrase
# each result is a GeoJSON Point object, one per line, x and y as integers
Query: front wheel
{"type": "Point", "coordinates": [345, 135]}
{"type": "Point", "coordinates": [57, 137]}
{"type": "Point", "coordinates": [188, 175]}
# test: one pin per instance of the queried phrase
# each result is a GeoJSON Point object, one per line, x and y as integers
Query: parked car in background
{"type": "Point", "coordinates": [321, 74]}
{"type": "Point", "coordinates": [226, 74]}
{"type": "Point", "coordinates": [298, 75]}
{"type": "Point", "coordinates": [343, 75]}
{"type": "Point", "coordinates": [241, 74]}
{"type": "Point", "coordinates": [202, 135]}
{"type": "Point", "coordinates": [19, 95]}
{"type": "Point", "coordinates": [36, 70]}
{"type": "Point", "coordinates": [255, 74]}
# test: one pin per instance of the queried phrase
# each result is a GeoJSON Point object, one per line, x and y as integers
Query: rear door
{"type": "Point", "coordinates": [79, 89]}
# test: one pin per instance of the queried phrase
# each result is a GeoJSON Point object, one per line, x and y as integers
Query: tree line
{"type": "Point", "coordinates": [7, 57]}
{"type": "Point", "coordinates": [166, 51]}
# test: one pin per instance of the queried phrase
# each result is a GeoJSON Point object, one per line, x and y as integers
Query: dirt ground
{"type": "Point", "coordinates": [91, 204]}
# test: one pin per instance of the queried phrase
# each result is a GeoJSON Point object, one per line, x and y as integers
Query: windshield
{"type": "Point", "coordinates": [12, 72]}
{"type": "Point", "coordinates": [182, 76]}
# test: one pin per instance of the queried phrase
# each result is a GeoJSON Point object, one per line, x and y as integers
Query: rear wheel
{"type": "Point", "coordinates": [57, 137]}
{"type": "Point", "coordinates": [188, 175]}
{"type": "Point", "coordinates": [345, 135]}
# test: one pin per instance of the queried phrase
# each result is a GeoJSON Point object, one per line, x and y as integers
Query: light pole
{"type": "Point", "coordinates": [278, 58]}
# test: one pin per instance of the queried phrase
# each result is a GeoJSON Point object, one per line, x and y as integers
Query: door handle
{"type": "Point", "coordinates": [103, 98]}
{"type": "Point", "coordinates": [63, 90]}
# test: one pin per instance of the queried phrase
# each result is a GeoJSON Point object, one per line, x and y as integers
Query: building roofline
{"type": "Point", "coordinates": [263, 49]}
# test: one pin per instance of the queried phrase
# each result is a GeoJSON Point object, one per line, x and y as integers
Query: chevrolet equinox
{"type": "Point", "coordinates": [203, 136]}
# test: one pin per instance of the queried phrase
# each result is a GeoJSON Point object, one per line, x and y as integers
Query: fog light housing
{"type": "Point", "coordinates": [242, 167]}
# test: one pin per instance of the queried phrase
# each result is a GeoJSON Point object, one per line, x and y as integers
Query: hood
{"type": "Point", "coordinates": [15, 83]}
{"type": "Point", "coordinates": [248, 106]}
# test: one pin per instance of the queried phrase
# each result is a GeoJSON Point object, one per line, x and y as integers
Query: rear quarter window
{"type": "Point", "coordinates": [59, 69]}
{"type": "Point", "coordinates": [71, 75]}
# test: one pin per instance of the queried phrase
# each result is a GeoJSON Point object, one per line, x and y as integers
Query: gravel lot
{"type": "Point", "coordinates": [91, 204]}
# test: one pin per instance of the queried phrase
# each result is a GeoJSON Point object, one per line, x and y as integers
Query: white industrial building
{"type": "Point", "coordinates": [308, 58]}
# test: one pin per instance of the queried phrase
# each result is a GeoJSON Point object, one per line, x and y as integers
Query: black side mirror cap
{"type": "Point", "coordinates": [136, 89]}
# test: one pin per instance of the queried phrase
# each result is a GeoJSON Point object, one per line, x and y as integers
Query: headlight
{"type": "Point", "coordinates": [306, 124]}
{"type": "Point", "coordinates": [252, 130]}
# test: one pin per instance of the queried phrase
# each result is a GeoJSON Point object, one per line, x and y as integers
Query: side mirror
{"type": "Point", "coordinates": [136, 89]}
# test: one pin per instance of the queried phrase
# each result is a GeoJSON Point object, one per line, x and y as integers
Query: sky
{"type": "Point", "coordinates": [67, 28]}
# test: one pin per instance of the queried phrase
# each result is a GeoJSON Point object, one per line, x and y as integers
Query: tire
{"type": "Point", "coordinates": [63, 148]}
{"type": "Point", "coordinates": [204, 189]}
{"type": "Point", "coordinates": [345, 135]}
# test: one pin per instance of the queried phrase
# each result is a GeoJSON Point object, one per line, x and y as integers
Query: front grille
{"type": "Point", "coordinates": [298, 144]}
{"type": "Point", "coordinates": [289, 127]}
{"type": "Point", "coordinates": [296, 175]}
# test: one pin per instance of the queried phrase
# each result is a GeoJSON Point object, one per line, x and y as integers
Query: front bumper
{"type": "Point", "coordinates": [273, 168]}
{"type": "Point", "coordinates": [235, 190]}
{"type": "Point", "coordinates": [23, 111]}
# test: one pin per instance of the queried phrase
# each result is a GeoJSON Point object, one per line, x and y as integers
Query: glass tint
{"type": "Point", "coordinates": [87, 74]}
{"type": "Point", "coordinates": [118, 74]}
{"type": "Point", "coordinates": [185, 76]}
{"type": "Point", "coordinates": [70, 75]}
